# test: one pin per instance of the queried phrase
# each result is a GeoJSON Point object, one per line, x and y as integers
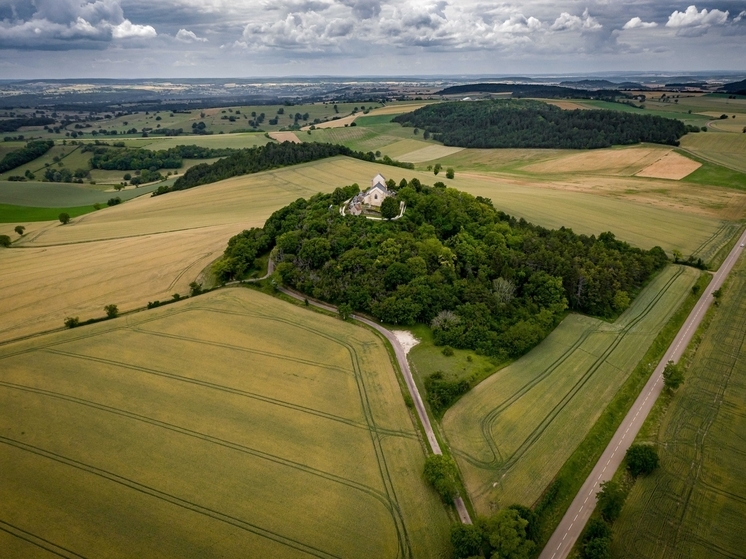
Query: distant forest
{"type": "Point", "coordinates": [25, 155]}
{"type": "Point", "coordinates": [129, 159]}
{"type": "Point", "coordinates": [530, 90]}
{"type": "Point", "coordinates": [533, 124]}
{"type": "Point", "coordinates": [481, 279]}
{"type": "Point", "coordinates": [263, 158]}
{"type": "Point", "coordinates": [13, 124]}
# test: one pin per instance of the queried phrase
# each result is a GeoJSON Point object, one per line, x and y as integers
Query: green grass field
{"type": "Point", "coordinates": [694, 505]}
{"type": "Point", "coordinates": [231, 425]}
{"type": "Point", "coordinates": [57, 194]}
{"type": "Point", "coordinates": [512, 433]}
{"type": "Point", "coordinates": [728, 150]}
{"type": "Point", "coordinates": [22, 214]}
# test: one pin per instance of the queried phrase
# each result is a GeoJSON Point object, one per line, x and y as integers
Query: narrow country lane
{"type": "Point", "coordinates": [569, 529]}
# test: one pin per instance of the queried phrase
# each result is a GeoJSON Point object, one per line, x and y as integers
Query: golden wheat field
{"type": "Point", "coordinates": [228, 425]}
{"type": "Point", "coordinates": [672, 166]}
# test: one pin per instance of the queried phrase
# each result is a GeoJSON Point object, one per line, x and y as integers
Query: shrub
{"type": "Point", "coordinates": [450, 173]}
{"type": "Point", "coordinates": [441, 473]}
{"type": "Point", "coordinates": [64, 218]}
{"type": "Point", "coordinates": [4, 241]}
{"type": "Point", "coordinates": [114, 201]}
{"type": "Point", "coordinates": [610, 500]}
{"type": "Point", "coordinates": [20, 229]}
{"type": "Point", "coordinates": [448, 351]}
{"type": "Point", "coordinates": [672, 376]}
{"type": "Point", "coordinates": [111, 311]}
{"type": "Point", "coordinates": [72, 321]}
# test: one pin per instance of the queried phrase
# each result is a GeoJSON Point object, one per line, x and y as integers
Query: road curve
{"type": "Point", "coordinates": [401, 357]}
{"type": "Point", "coordinates": [572, 524]}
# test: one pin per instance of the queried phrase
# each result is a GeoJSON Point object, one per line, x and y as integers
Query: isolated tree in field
{"type": "Point", "coordinates": [450, 173]}
{"type": "Point", "coordinates": [111, 311]}
{"type": "Point", "coordinates": [441, 473]}
{"type": "Point", "coordinates": [506, 532]}
{"type": "Point", "coordinates": [642, 459]}
{"type": "Point", "coordinates": [4, 241]}
{"type": "Point", "coordinates": [610, 500]}
{"type": "Point", "coordinates": [389, 208]}
{"type": "Point", "coordinates": [437, 168]}
{"type": "Point", "coordinates": [466, 540]}
{"type": "Point", "coordinates": [64, 218]}
{"type": "Point", "coordinates": [20, 229]}
{"type": "Point", "coordinates": [345, 311]}
{"type": "Point", "coordinates": [72, 321]}
{"type": "Point", "coordinates": [673, 376]}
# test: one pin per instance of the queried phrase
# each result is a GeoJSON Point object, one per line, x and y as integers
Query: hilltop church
{"type": "Point", "coordinates": [371, 198]}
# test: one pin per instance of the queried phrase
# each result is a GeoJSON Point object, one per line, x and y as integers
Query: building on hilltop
{"type": "Point", "coordinates": [371, 198]}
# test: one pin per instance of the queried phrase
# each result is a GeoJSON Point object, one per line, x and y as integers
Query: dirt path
{"type": "Point", "coordinates": [569, 529]}
{"type": "Point", "coordinates": [401, 357]}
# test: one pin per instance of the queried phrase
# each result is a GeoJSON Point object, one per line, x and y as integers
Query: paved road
{"type": "Point", "coordinates": [404, 365]}
{"type": "Point", "coordinates": [577, 515]}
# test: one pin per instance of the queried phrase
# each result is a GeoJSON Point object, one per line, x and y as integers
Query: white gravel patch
{"type": "Point", "coordinates": [406, 339]}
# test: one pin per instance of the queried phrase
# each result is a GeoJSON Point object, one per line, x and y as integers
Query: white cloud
{"type": "Point", "coordinates": [637, 23]}
{"type": "Point", "coordinates": [519, 24]}
{"type": "Point", "coordinates": [692, 18]}
{"type": "Point", "coordinates": [186, 36]}
{"type": "Point", "coordinates": [739, 17]}
{"type": "Point", "coordinates": [567, 22]}
{"type": "Point", "coordinates": [70, 24]}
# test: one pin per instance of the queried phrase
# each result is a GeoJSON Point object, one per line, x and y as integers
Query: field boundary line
{"type": "Point", "coordinates": [38, 541]}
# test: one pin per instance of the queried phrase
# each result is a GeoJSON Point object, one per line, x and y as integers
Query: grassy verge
{"type": "Point", "coordinates": [23, 214]}
{"type": "Point", "coordinates": [573, 473]}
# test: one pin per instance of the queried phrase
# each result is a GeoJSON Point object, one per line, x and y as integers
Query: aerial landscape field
{"type": "Point", "coordinates": [492, 307]}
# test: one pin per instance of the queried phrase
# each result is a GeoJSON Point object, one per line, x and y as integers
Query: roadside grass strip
{"type": "Point", "coordinates": [232, 424]}
{"type": "Point", "coordinates": [512, 433]}
{"type": "Point", "coordinates": [695, 503]}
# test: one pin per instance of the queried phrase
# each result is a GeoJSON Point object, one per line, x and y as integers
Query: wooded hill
{"type": "Point", "coordinates": [482, 279]}
{"type": "Point", "coordinates": [19, 157]}
{"type": "Point", "coordinates": [532, 124]}
{"type": "Point", "coordinates": [534, 90]}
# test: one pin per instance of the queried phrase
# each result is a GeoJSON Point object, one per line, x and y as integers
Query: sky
{"type": "Point", "coordinates": [273, 38]}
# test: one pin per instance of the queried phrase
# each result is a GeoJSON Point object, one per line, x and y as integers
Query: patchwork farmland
{"type": "Point", "coordinates": [695, 503]}
{"type": "Point", "coordinates": [230, 424]}
{"type": "Point", "coordinates": [512, 433]}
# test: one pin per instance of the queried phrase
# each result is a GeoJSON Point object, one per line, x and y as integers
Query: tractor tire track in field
{"type": "Point", "coordinates": [488, 421]}
{"type": "Point", "coordinates": [38, 541]}
{"type": "Point", "coordinates": [168, 498]}
{"type": "Point", "coordinates": [378, 495]}
{"type": "Point", "coordinates": [728, 229]}
{"type": "Point", "coordinates": [405, 550]}
{"type": "Point", "coordinates": [222, 388]}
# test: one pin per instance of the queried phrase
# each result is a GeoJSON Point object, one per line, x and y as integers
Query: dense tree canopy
{"type": "Point", "coordinates": [534, 90]}
{"type": "Point", "coordinates": [481, 279]}
{"type": "Point", "coordinates": [13, 124]}
{"type": "Point", "coordinates": [25, 155]}
{"type": "Point", "coordinates": [532, 124]}
{"type": "Point", "coordinates": [129, 159]}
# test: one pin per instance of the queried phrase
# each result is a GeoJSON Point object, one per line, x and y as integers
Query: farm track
{"type": "Point", "coordinates": [38, 541]}
{"type": "Point", "coordinates": [168, 498]}
{"type": "Point", "coordinates": [487, 422]}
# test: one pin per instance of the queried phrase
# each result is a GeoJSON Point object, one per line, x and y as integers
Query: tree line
{"type": "Point", "coordinates": [128, 159]}
{"type": "Point", "coordinates": [534, 90]}
{"type": "Point", "coordinates": [481, 279]}
{"type": "Point", "coordinates": [532, 124]}
{"type": "Point", "coordinates": [263, 158]}
{"type": "Point", "coordinates": [13, 124]}
{"type": "Point", "coordinates": [31, 151]}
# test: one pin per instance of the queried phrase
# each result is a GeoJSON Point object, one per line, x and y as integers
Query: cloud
{"type": "Point", "coordinates": [567, 22]}
{"type": "Point", "coordinates": [637, 23]}
{"type": "Point", "coordinates": [739, 17]}
{"type": "Point", "coordinates": [692, 18]}
{"type": "Point", "coordinates": [364, 9]}
{"type": "Point", "coordinates": [519, 24]}
{"type": "Point", "coordinates": [70, 24]}
{"type": "Point", "coordinates": [189, 37]}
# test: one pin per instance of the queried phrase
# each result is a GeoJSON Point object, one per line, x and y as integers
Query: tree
{"type": "Point", "coordinates": [610, 500]}
{"type": "Point", "coordinates": [506, 532]}
{"type": "Point", "coordinates": [64, 218]}
{"type": "Point", "coordinates": [642, 459]}
{"type": "Point", "coordinates": [532, 528]}
{"type": "Point", "coordinates": [4, 241]}
{"type": "Point", "coordinates": [111, 311]}
{"type": "Point", "coordinates": [466, 540]}
{"type": "Point", "coordinates": [597, 548]}
{"type": "Point", "coordinates": [504, 290]}
{"type": "Point", "coordinates": [389, 208]}
{"type": "Point", "coordinates": [20, 229]}
{"type": "Point", "coordinates": [450, 173]}
{"type": "Point", "coordinates": [195, 288]}
{"type": "Point", "coordinates": [72, 322]}
{"type": "Point", "coordinates": [673, 376]}
{"type": "Point", "coordinates": [437, 168]}
{"type": "Point", "coordinates": [345, 311]}
{"type": "Point", "coordinates": [441, 473]}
